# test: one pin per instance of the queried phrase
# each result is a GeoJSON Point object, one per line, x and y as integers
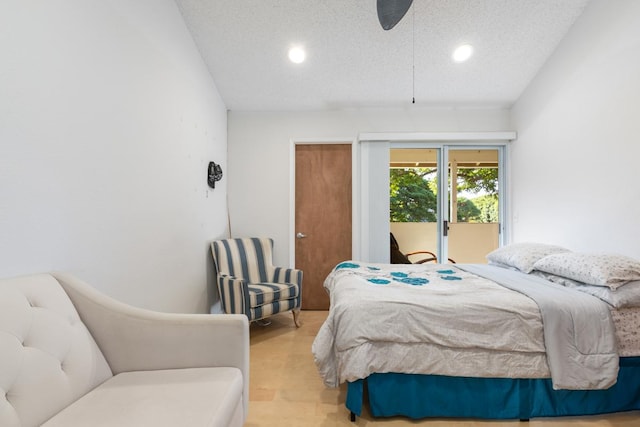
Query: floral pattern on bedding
{"type": "Point", "coordinates": [385, 276]}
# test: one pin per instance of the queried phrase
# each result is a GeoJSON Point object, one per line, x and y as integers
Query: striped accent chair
{"type": "Point", "coordinates": [248, 282]}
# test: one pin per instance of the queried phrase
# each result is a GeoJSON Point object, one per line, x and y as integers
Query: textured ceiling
{"type": "Point", "coordinates": [352, 62]}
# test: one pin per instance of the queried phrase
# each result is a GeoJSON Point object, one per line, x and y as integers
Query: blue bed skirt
{"type": "Point", "coordinates": [421, 396]}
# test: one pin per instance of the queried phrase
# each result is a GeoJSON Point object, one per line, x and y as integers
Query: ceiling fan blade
{"type": "Point", "coordinates": [390, 12]}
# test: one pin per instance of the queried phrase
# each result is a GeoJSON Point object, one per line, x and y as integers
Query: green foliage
{"type": "Point", "coordinates": [467, 210]}
{"type": "Point", "coordinates": [476, 180]}
{"type": "Point", "coordinates": [479, 180]}
{"type": "Point", "coordinates": [411, 196]}
{"type": "Point", "coordinates": [488, 206]}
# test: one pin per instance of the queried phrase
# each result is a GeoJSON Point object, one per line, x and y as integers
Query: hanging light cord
{"type": "Point", "coordinates": [413, 57]}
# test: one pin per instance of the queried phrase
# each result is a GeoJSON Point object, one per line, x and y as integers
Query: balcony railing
{"type": "Point", "coordinates": [468, 242]}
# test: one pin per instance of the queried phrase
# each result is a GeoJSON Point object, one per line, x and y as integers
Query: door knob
{"type": "Point", "coordinates": [300, 235]}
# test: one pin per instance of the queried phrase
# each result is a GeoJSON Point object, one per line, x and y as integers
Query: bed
{"type": "Point", "coordinates": [468, 340]}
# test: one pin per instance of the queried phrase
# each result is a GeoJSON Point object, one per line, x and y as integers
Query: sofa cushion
{"type": "Point", "coordinates": [267, 310]}
{"type": "Point", "coordinates": [49, 358]}
{"type": "Point", "coordinates": [178, 397]}
{"type": "Point", "coordinates": [266, 293]}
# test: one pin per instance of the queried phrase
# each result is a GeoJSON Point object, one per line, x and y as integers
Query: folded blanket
{"type": "Point", "coordinates": [579, 333]}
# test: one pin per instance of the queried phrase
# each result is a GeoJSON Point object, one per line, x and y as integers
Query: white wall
{"type": "Point", "coordinates": [259, 155]}
{"type": "Point", "coordinates": [575, 162]}
{"type": "Point", "coordinates": [108, 118]}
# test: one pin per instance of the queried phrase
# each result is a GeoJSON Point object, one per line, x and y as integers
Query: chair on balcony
{"type": "Point", "coordinates": [397, 257]}
{"type": "Point", "coordinates": [248, 282]}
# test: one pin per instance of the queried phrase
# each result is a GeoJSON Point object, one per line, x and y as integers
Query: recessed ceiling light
{"type": "Point", "coordinates": [462, 53]}
{"type": "Point", "coordinates": [297, 55]}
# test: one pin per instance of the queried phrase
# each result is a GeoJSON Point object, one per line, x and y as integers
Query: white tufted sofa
{"type": "Point", "coordinates": [70, 356]}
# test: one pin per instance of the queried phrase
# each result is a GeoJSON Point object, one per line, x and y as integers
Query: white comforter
{"type": "Point", "coordinates": [384, 318]}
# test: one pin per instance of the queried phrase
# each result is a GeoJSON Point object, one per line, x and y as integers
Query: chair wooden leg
{"type": "Point", "coordinates": [296, 319]}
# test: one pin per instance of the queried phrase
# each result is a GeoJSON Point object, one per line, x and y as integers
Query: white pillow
{"type": "Point", "coordinates": [522, 256]}
{"type": "Point", "coordinates": [592, 269]}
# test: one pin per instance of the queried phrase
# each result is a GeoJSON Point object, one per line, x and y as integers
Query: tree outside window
{"type": "Point", "coordinates": [413, 194]}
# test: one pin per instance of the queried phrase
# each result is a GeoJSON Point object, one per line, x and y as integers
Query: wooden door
{"type": "Point", "coordinates": [323, 216]}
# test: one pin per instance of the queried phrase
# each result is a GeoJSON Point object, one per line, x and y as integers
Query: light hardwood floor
{"type": "Point", "coordinates": [286, 390]}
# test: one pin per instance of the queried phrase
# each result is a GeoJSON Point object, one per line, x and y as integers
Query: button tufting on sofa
{"type": "Point", "coordinates": [80, 358]}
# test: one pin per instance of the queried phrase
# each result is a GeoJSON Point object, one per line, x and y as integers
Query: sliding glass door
{"type": "Point", "coordinates": [414, 203]}
{"type": "Point", "coordinates": [454, 210]}
{"type": "Point", "coordinates": [474, 203]}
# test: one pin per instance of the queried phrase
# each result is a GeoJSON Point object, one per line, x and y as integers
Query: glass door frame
{"type": "Point", "coordinates": [442, 150]}
{"type": "Point", "coordinates": [371, 232]}
{"type": "Point", "coordinates": [502, 193]}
